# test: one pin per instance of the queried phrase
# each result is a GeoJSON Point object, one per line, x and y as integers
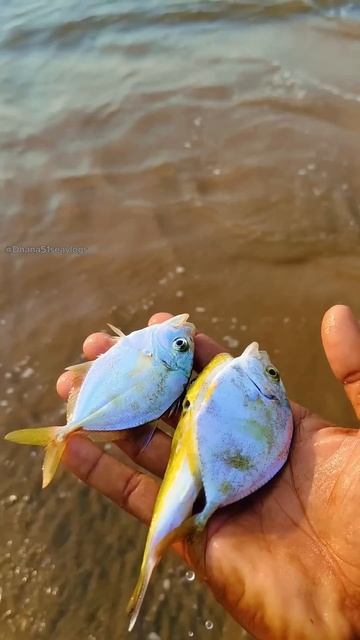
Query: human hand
{"type": "Point", "coordinates": [285, 562]}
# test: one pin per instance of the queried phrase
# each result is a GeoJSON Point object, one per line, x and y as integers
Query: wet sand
{"type": "Point", "coordinates": [207, 159]}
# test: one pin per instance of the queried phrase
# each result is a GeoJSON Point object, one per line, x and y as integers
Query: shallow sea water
{"type": "Point", "coordinates": [206, 155]}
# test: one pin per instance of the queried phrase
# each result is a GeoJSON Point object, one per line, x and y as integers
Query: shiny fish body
{"type": "Point", "coordinates": [243, 424]}
{"type": "Point", "coordinates": [136, 380]}
{"type": "Point", "coordinates": [234, 435]}
{"type": "Point", "coordinates": [133, 383]}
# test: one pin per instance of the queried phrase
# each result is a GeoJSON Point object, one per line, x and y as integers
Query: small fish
{"type": "Point", "coordinates": [233, 436]}
{"type": "Point", "coordinates": [135, 382]}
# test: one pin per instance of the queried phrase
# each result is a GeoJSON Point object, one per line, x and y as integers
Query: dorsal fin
{"type": "Point", "coordinates": [82, 368]}
{"type": "Point", "coordinates": [73, 395]}
{"type": "Point", "coordinates": [117, 331]}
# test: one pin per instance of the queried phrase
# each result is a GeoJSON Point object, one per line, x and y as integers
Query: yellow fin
{"type": "Point", "coordinates": [138, 595]}
{"type": "Point", "coordinates": [43, 437]}
{"type": "Point", "coordinates": [117, 331]}
{"type": "Point", "coordinates": [53, 455]}
{"type": "Point", "coordinates": [40, 436]}
{"type": "Point", "coordinates": [70, 407]}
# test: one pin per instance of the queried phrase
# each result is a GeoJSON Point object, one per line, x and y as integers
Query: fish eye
{"type": "Point", "coordinates": [273, 373]}
{"type": "Point", "coordinates": [180, 344]}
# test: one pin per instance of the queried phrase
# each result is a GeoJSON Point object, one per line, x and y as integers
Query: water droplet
{"type": "Point", "coordinates": [166, 584]}
{"type": "Point", "coordinates": [230, 341]}
{"type": "Point", "coordinates": [197, 121]}
{"type": "Point", "coordinates": [7, 614]}
{"type": "Point", "coordinates": [180, 269]}
{"type": "Point", "coordinates": [187, 145]}
{"type": "Point", "coordinates": [190, 576]}
{"type": "Point", "coordinates": [311, 166]}
{"type": "Point", "coordinates": [3, 403]}
{"type": "Point", "coordinates": [209, 625]}
{"type": "Point", "coordinates": [302, 172]}
{"type": "Point", "coordinates": [153, 636]}
{"type": "Point", "coordinates": [11, 499]}
{"type": "Point", "coordinates": [216, 172]}
{"type": "Point", "coordinates": [27, 373]}
{"type": "Point", "coordinates": [243, 327]}
{"type": "Point", "coordinates": [200, 309]}
{"type": "Point", "coordinates": [179, 293]}
{"type": "Point", "coordinates": [9, 390]}
{"type": "Point", "coordinates": [190, 634]}
{"type": "Point", "coordinates": [8, 374]}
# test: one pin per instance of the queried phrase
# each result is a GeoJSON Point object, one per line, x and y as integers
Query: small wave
{"type": "Point", "coordinates": [73, 32]}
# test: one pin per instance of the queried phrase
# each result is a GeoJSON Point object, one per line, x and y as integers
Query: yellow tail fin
{"type": "Point", "coordinates": [43, 437]}
{"type": "Point", "coordinates": [138, 595]}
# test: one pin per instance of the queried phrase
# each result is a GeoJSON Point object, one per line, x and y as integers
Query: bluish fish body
{"type": "Point", "coordinates": [233, 436]}
{"type": "Point", "coordinates": [133, 383]}
{"type": "Point", "coordinates": [138, 379]}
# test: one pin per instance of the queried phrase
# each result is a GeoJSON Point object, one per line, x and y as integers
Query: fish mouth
{"type": "Point", "coordinates": [265, 395]}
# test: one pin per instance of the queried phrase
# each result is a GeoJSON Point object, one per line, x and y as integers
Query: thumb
{"type": "Point", "coordinates": [340, 332]}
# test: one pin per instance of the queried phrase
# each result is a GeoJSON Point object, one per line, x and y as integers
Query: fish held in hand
{"type": "Point", "coordinates": [233, 436]}
{"type": "Point", "coordinates": [135, 382]}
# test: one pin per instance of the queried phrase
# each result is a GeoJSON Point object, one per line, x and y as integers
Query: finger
{"type": "Point", "coordinates": [157, 318]}
{"type": "Point", "coordinates": [64, 384]}
{"type": "Point", "coordinates": [154, 457]}
{"type": "Point", "coordinates": [130, 489]}
{"type": "Point", "coordinates": [205, 348]}
{"type": "Point", "coordinates": [97, 343]}
{"type": "Point", "coordinates": [340, 333]}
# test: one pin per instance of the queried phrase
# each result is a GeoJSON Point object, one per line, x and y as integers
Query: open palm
{"type": "Point", "coordinates": [285, 562]}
